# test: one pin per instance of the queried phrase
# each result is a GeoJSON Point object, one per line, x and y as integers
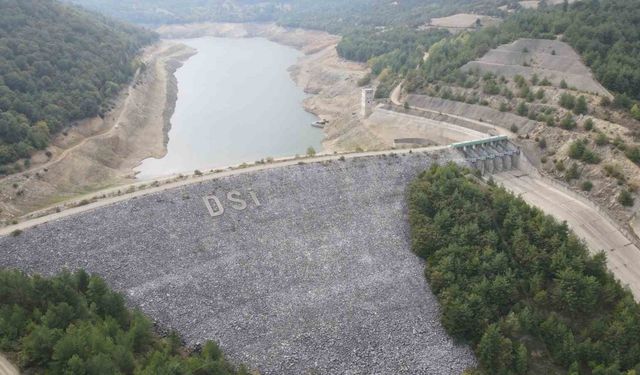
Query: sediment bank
{"type": "Point", "coordinates": [330, 80]}
{"type": "Point", "coordinates": [99, 153]}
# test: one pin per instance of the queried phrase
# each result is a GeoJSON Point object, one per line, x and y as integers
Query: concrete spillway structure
{"type": "Point", "coordinates": [490, 155]}
{"type": "Point", "coordinates": [293, 270]}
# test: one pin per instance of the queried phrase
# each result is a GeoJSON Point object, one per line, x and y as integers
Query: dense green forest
{"type": "Point", "coordinates": [57, 64]}
{"type": "Point", "coordinates": [516, 284]}
{"type": "Point", "coordinates": [73, 324]}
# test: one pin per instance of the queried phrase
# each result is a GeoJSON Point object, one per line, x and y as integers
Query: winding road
{"type": "Point", "coordinates": [593, 226]}
{"type": "Point", "coordinates": [6, 368]}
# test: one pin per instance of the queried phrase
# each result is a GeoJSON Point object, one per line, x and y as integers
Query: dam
{"type": "Point", "coordinates": [293, 270]}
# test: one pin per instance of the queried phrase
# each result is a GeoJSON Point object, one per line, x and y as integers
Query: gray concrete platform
{"type": "Point", "coordinates": [312, 273]}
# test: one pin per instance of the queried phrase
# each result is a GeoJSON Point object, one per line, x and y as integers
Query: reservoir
{"type": "Point", "coordinates": [236, 103]}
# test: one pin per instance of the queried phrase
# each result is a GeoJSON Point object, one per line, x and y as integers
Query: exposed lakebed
{"type": "Point", "coordinates": [236, 103]}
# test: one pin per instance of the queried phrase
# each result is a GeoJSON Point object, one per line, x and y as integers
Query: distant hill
{"type": "Point", "coordinates": [58, 63]}
{"type": "Point", "coordinates": [184, 11]}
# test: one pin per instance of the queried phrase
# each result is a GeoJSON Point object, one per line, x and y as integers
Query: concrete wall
{"type": "Point", "coordinates": [313, 274]}
{"type": "Point", "coordinates": [390, 125]}
{"type": "Point", "coordinates": [472, 111]}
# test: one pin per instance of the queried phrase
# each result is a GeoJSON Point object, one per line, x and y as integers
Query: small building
{"type": "Point", "coordinates": [367, 102]}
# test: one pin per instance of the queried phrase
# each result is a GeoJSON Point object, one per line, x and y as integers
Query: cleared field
{"type": "Point", "coordinates": [307, 270]}
{"type": "Point", "coordinates": [549, 59]}
{"type": "Point", "coordinates": [533, 4]}
{"type": "Point", "coordinates": [390, 125]}
{"type": "Point", "coordinates": [463, 21]}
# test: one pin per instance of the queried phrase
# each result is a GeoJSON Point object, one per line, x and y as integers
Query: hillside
{"type": "Point", "coordinates": [336, 16]}
{"type": "Point", "coordinates": [57, 64]}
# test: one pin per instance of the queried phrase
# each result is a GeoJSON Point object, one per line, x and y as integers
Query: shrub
{"type": "Point", "coordinates": [514, 129]}
{"type": "Point", "coordinates": [311, 151]}
{"type": "Point", "coordinates": [550, 121]}
{"type": "Point", "coordinates": [586, 185]}
{"type": "Point", "coordinates": [588, 124]}
{"type": "Point", "coordinates": [567, 101]}
{"type": "Point", "coordinates": [625, 198]}
{"type": "Point", "coordinates": [568, 122]}
{"type": "Point", "coordinates": [619, 143]}
{"type": "Point", "coordinates": [581, 107]}
{"type": "Point", "coordinates": [572, 173]}
{"type": "Point", "coordinates": [635, 112]}
{"type": "Point", "coordinates": [364, 81]}
{"type": "Point", "coordinates": [601, 139]}
{"type": "Point", "coordinates": [542, 143]}
{"type": "Point", "coordinates": [633, 153]}
{"type": "Point", "coordinates": [563, 84]}
{"type": "Point", "coordinates": [522, 109]}
{"type": "Point", "coordinates": [615, 171]}
{"type": "Point", "coordinates": [622, 101]}
{"type": "Point", "coordinates": [578, 150]}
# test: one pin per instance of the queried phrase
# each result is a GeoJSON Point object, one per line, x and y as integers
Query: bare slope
{"type": "Point", "coordinates": [549, 59]}
{"type": "Point", "coordinates": [318, 277]}
{"type": "Point", "coordinates": [102, 151]}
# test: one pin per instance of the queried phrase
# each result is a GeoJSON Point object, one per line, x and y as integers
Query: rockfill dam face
{"type": "Point", "coordinates": [293, 270]}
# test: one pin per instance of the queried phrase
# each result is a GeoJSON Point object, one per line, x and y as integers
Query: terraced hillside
{"type": "Point", "coordinates": [550, 59]}
{"type": "Point", "coordinates": [296, 270]}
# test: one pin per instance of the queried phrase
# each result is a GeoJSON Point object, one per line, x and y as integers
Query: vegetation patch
{"type": "Point", "coordinates": [73, 324]}
{"type": "Point", "coordinates": [58, 64]}
{"type": "Point", "coordinates": [518, 285]}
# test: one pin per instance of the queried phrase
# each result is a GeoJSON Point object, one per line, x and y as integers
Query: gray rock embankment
{"type": "Point", "coordinates": [307, 270]}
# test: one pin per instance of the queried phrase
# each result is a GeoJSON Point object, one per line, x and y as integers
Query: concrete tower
{"type": "Point", "coordinates": [367, 102]}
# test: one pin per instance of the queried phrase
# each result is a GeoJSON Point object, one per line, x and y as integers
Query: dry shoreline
{"type": "Point", "coordinates": [101, 153]}
{"type": "Point", "coordinates": [330, 80]}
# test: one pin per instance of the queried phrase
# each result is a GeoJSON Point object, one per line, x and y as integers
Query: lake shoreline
{"type": "Point", "coordinates": [113, 146]}
{"type": "Point", "coordinates": [330, 81]}
{"type": "Point", "coordinates": [101, 152]}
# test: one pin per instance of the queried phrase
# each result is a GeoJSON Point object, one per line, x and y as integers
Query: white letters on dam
{"type": "Point", "coordinates": [293, 270]}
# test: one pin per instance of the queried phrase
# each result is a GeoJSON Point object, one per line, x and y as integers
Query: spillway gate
{"type": "Point", "coordinates": [490, 155]}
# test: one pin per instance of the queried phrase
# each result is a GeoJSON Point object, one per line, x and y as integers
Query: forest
{"type": "Point", "coordinates": [517, 285]}
{"type": "Point", "coordinates": [58, 64]}
{"type": "Point", "coordinates": [336, 16]}
{"type": "Point", "coordinates": [604, 32]}
{"type": "Point", "coordinates": [73, 323]}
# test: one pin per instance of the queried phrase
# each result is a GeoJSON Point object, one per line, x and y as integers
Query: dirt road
{"type": "Point", "coordinates": [171, 183]}
{"type": "Point", "coordinates": [102, 151]}
{"type": "Point", "coordinates": [623, 257]}
{"type": "Point", "coordinates": [6, 368]}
